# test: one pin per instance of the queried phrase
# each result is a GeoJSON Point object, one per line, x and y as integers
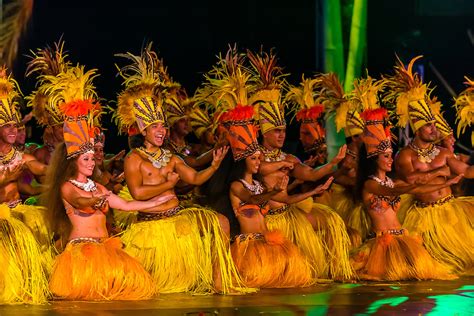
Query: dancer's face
{"type": "Point", "coordinates": [448, 142]}
{"type": "Point", "coordinates": [275, 137]}
{"type": "Point", "coordinates": [21, 136]}
{"type": "Point", "coordinates": [99, 153]}
{"type": "Point", "coordinates": [155, 134]}
{"type": "Point", "coordinates": [181, 127]}
{"type": "Point", "coordinates": [427, 133]}
{"type": "Point", "coordinates": [86, 164]}
{"type": "Point", "coordinates": [8, 133]}
{"type": "Point", "coordinates": [385, 160]}
{"type": "Point", "coordinates": [252, 162]}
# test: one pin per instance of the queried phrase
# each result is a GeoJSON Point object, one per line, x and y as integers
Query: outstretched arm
{"type": "Point", "coordinates": [191, 176]}
{"type": "Point", "coordinates": [407, 172]}
{"type": "Point", "coordinates": [283, 196]}
{"type": "Point", "coordinates": [304, 172]}
{"type": "Point", "coordinates": [459, 167]}
{"type": "Point", "coordinates": [36, 167]}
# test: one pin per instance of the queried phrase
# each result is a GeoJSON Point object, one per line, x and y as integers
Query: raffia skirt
{"type": "Point", "coordinates": [23, 277]}
{"type": "Point", "coordinates": [180, 248]}
{"type": "Point", "coordinates": [270, 261]}
{"type": "Point", "coordinates": [95, 269]}
{"type": "Point", "coordinates": [395, 256]}
{"type": "Point", "coordinates": [447, 230]}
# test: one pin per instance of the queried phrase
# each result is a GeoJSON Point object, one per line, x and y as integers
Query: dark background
{"type": "Point", "coordinates": [189, 34]}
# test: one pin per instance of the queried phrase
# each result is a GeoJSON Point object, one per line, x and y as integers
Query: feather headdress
{"type": "Point", "coordinates": [141, 102]}
{"type": "Point", "coordinates": [46, 63]}
{"type": "Point", "coordinates": [465, 109]}
{"type": "Point", "coordinates": [267, 80]}
{"type": "Point", "coordinates": [408, 93]}
{"type": "Point", "coordinates": [376, 135]}
{"type": "Point", "coordinates": [9, 92]}
{"type": "Point", "coordinates": [304, 101]}
{"type": "Point", "coordinates": [229, 83]}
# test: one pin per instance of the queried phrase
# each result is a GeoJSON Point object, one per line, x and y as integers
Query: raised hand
{"type": "Point", "coordinates": [323, 187]}
{"type": "Point", "coordinates": [282, 184]}
{"type": "Point", "coordinates": [311, 161]}
{"type": "Point", "coordinates": [455, 179]}
{"type": "Point", "coordinates": [218, 155]}
{"type": "Point", "coordinates": [340, 155]}
{"type": "Point", "coordinates": [286, 165]}
{"type": "Point", "coordinates": [118, 156]}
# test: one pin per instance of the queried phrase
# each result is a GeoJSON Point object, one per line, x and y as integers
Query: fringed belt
{"type": "Point", "coordinates": [279, 210]}
{"type": "Point", "coordinates": [442, 201]}
{"type": "Point", "coordinates": [13, 204]}
{"type": "Point", "coordinates": [96, 240]}
{"type": "Point", "coordinates": [142, 217]}
{"type": "Point", "coordinates": [395, 232]}
{"type": "Point", "coordinates": [250, 236]}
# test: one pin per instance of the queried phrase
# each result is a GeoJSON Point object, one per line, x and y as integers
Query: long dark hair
{"type": "Point", "coordinates": [217, 189]}
{"type": "Point", "coordinates": [59, 171]}
{"type": "Point", "coordinates": [365, 168]}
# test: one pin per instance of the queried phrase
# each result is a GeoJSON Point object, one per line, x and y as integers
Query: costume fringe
{"type": "Point", "coordinates": [447, 231]}
{"type": "Point", "coordinates": [123, 219]}
{"type": "Point", "coordinates": [295, 227]}
{"type": "Point", "coordinates": [23, 277]}
{"type": "Point", "coordinates": [99, 271]}
{"type": "Point", "coordinates": [264, 263]}
{"type": "Point", "coordinates": [333, 233]}
{"type": "Point", "coordinates": [406, 201]}
{"type": "Point", "coordinates": [394, 258]}
{"type": "Point", "coordinates": [180, 252]}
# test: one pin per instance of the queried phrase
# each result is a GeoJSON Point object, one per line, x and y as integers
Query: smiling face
{"type": "Point", "coordinates": [8, 133]}
{"type": "Point", "coordinates": [155, 134]}
{"type": "Point", "coordinates": [275, 138]}
{"type": "Point", "coordinates": [385, 160]}
{"type": "Point", "coordinates": [21, 136]}
{"type": "Point", "coordinates": [99, 153]}
{"type": "Point", "coordinates": [252, 162]}
{"type": "Point", "coordinates": [86, 164]}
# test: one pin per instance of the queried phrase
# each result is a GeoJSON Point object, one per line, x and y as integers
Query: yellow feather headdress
{"type": "Point", "coordinates": [201, 116]}
{"type": "Point", "coordinates": [74, 94]}
{"type": "Point", "coordinates": [46, 63]}
{"type": "Point", "coordinates": [335, 101]}
{"type": "Point", "coordinates": [465, 109]}
{"type": "Point", "coordinates": [376, 135]}
{"type": "Point", "coordinates": [442, 125]}
{"type": "Point", "coordinates": [141, 102]}
{"type": "Point", "coordinates": [267, 78]}
{"type": "Point", "coordinates": [408, 93]}
{"type": "Point", "coordinates": [305, 103]}
{"type": "Point", "coordinates": [9, 92]}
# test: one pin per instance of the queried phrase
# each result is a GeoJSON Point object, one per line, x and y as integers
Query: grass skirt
{"type": "Point", "coordinates": [180, 251]}
{"type": "Point", "coordinates": [270, 261]}
{"type": "Point", "coordinates": [447, 230]}
{"type": "Point", "coordinates": [23, 277]}
{"type": "Point", "coordinates": [35, 218]}
{"type": "Point", "coordinates": [333, 233]}
{"type": "Point", "coordinates": [99, 271]}
{"type": "Point", "coordinates": [123, 219]}
{"type": "Point", "coordinates": [393, 258]}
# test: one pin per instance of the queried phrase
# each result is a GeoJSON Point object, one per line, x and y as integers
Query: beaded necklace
{"type": "Point", "coordinates": [425, 155]}
{"type": "Point", "coordinates": [158, 159]}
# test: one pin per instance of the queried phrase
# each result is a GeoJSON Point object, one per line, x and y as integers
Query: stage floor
{"type": "Point", "coordinates": [398, 298]}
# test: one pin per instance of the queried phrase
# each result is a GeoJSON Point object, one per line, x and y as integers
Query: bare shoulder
{"type": "Point", "coordinates": [28, 157]}
{"type": "Point", "coordinates": [292, 158]}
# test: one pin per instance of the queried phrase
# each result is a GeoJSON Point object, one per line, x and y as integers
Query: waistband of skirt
{"type": "Point", "coordinates": [394, 232]}
{"type": "Point", "coordinates": [144, 217]}
{"type": "Point", "coordinates": [441, 201]}
{"type": "Point", "coordinates": [249, 236]}
{"type": "Point", "coordinates": [279, 210]}
{"type": "Point", "coordinates": [78, 240]}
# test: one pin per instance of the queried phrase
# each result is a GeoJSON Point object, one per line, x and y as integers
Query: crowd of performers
{"type": "Point", "coordinates": [233, 213]}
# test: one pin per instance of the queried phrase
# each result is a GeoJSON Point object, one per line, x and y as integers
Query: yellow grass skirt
{"type": "Point", "coordinates": [447, 230]}
{"type": "Point", "coordinates": [124, 219]}
{"type": "Point", "coordinates": [270, 261]}
{"type": "Point", "coordinates": [180, 252]}
{"type": "Point", "coordinates": [332, 231]}
{"type": "Point", "coordinates": [35, 218]}
{"type": "Point", "coordinates": [23, 275]}
{"type": "Point", "coordinates": [99, 271]}
{"type": "Point", "coordinates": [392, 258]}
